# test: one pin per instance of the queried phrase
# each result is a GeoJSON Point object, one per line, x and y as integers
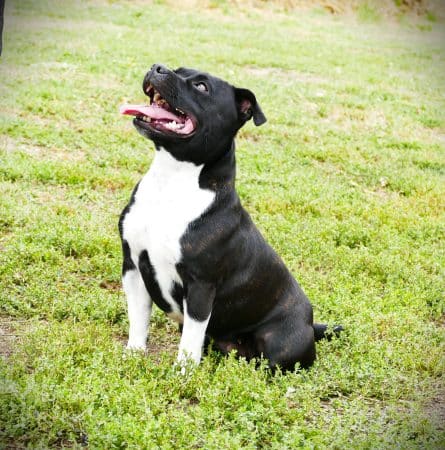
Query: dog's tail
{"type": "Point", "coordinates": [322, 331]}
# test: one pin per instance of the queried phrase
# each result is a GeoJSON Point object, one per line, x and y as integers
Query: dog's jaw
{"type": "Point", "coordinates": [160, 117]}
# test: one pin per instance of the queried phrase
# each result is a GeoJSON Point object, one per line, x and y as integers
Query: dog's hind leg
{"type": "Point", "coordinates": [287, 344]}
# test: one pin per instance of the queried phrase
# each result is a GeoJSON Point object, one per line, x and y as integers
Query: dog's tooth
{"type": "Point", "coordinates": [172, 125]}
{"type": "Point", "coordinates": [156, 97]}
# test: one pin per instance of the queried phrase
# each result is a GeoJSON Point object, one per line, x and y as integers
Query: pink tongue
{"type": "Point", "coordinates": [154, 112]}
{"type": "Point", "coordinates": [187, 128]}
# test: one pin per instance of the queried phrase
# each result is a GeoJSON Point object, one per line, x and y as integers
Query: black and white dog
{"type": "Point", "coordinates": [188, 244]}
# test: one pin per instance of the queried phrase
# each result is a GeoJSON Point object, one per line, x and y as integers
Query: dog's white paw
{"type": "Point", "coordinates": [135, 350]}
{"type": "Point", "coordinates": [185, 364]}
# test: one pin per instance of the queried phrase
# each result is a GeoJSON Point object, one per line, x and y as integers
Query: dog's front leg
{"type": "Point", "coordinates": [197, 312]}
{"type": "Point", "coordinates": [139, 309]}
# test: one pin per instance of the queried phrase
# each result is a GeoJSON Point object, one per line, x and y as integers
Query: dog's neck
{"type": "Point", "coordinates": [219, 175]}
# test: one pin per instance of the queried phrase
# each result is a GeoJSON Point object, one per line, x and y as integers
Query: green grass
{"type": "Point", "coordinates": [346, 181]}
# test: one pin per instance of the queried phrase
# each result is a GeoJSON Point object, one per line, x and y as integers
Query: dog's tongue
{"type": "Point", "coordinates": [154, 112]}
{"type": "Point", "coordinates": [157, 113]}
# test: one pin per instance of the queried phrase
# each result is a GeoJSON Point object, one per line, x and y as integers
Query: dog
{"type": "Point", "coordinates": [188, 244]}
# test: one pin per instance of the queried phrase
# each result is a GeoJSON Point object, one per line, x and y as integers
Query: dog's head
{"type": "Point", "coordinates": [192, 114]}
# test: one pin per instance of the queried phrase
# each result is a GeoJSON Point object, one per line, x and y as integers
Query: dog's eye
{"type": "Point", "coordinates": [201, 86]}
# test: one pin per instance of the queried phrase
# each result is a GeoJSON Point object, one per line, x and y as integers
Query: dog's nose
{"type": "Point", "coordinates": [156, 71]}
{"type": "Point", "coordinates": [160, 69]}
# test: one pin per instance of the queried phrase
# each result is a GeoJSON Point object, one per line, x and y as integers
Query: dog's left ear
{"type": "Point", "coordinates": [248, 107]}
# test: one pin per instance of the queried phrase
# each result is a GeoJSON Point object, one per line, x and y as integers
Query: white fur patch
{"type": "Point", "coordinates": [139, 309]}
{"type": "Point", "coordinates": [192, 339]}
{"type": "Point", "coordinates": [168, 199]}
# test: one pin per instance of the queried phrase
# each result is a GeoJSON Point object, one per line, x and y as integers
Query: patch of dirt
{"type": "Point", "coordinates": [9, 336]}
{"type": "Point", "coordinates": [155, 348]}
{"type": "Point", "coordinates": [164, 337]}
{"type": "Point", "coordinates": [286, 74]}
{"type": "Point", "coordinates": [435, 410]}
{"type": "Point", "coordinates": [39, 22]}
{"type": "Point", "coordinates": [112, 286]}
{"type": "Point", "coordinates": [387, 8]}
{"type": "Point", "coordinates": [440, 137]}
{"type": "Point", "coordinates": [51, 154]}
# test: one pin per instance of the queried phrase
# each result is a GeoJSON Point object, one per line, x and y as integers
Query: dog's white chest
{"type": "Point", "coordinates": [168, 199]}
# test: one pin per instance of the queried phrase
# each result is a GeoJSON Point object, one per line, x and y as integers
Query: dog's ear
{"type": "Point", "coordinates": [248, 107]}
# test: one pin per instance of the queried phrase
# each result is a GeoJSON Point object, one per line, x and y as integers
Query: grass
{"type": "Point", "coordinates": [346, 180]}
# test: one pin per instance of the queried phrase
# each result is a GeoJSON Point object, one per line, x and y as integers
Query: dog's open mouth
{"type": "Point", "coordinates": [160, 116]}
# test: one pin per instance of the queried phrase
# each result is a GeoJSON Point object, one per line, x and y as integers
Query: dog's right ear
{"type": "Point", "coordinates": [248, 107]}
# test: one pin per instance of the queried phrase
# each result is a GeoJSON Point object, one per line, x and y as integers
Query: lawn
{"type": "Point", "coordinates": [346, 180]}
